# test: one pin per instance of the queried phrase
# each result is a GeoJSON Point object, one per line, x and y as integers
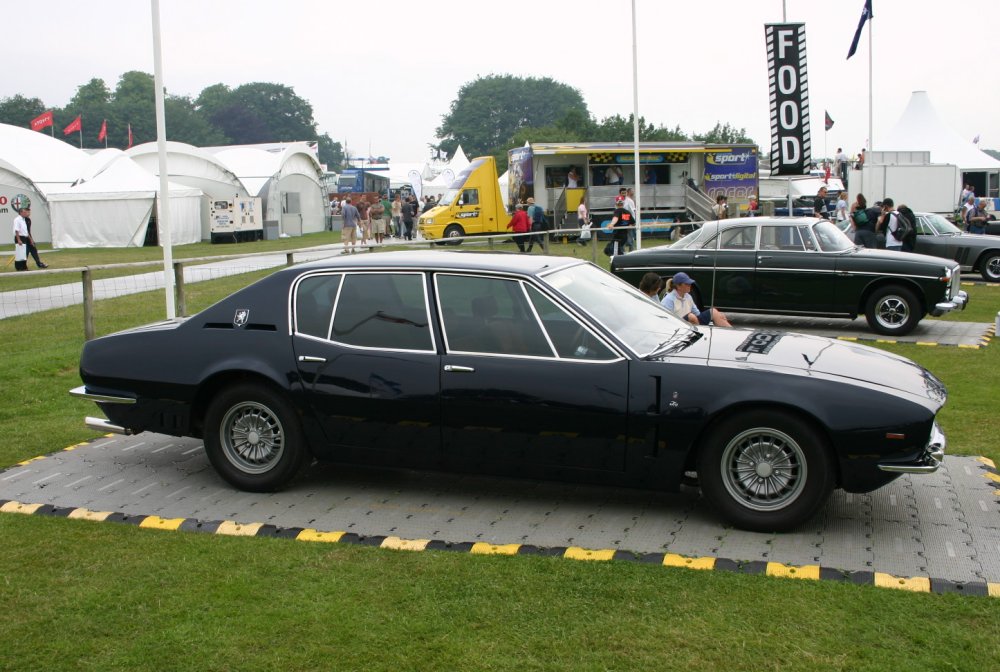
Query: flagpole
{"type": "Point", "coordinates": [635, 135]}
{"type": "Point", "coordinates": [871, 47]}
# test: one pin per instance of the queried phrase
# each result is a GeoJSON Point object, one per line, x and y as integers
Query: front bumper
{"type": "Point", "coordinates": [928, 462]}
{"type": "Point", "coordinates": [959, 302]}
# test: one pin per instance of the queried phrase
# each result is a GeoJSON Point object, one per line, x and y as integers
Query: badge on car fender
{"type": "Point", "coordinates": [241, 317]}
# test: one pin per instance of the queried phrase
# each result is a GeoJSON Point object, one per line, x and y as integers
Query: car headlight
{"type": "Point", "coordinates": [428, 220]}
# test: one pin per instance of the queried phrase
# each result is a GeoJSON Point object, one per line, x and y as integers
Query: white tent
{"type": "Point", "coordinates": [113, 207]}
{"type": "Point", "coordinates": [920, 128]}
{"type": "Point", "coordinates": [33, 163]}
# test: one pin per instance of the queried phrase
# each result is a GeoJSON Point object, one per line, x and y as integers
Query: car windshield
{"type": "Point", "coordinates": [643, 325]}
{"type": "Point", "coordinates": [449, 197]}
{"type": "Point", "coordinates": [831, 238]}
{"type": "Point", "coordinates": [935, 225]}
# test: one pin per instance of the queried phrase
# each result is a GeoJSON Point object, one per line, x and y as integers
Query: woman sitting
{"type": "Point", "coordinates": [678, 301]}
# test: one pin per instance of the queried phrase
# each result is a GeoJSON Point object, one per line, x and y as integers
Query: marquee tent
{"type": "Point", "coordinates": [113, 207]}
{"type": "Point", "coordinates": [34, 163]}
{"type": "Point", "coordinates": [288, 179]}
{"type": "Point", "coordinates": [920, 128]}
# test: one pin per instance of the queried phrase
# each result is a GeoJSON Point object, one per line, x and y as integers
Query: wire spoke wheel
{"type": "Point", "coordinates": [252, 437]}
{"type": "Point", "coordinates": [764, 468]}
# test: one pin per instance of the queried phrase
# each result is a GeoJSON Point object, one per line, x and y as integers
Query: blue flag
{"type": "Point", "coordinates": [866, 14]}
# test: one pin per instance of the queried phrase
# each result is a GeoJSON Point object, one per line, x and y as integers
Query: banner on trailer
{"type": "Point", "coordinates": [521, 178]}
{"type": "Point", "coordinates": [732, 173]}
{"type": "Point", "coordinates": [788, 79]}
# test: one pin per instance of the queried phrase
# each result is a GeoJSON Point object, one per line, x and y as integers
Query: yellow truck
{"type": "Point", "coordinates": [471, 205]}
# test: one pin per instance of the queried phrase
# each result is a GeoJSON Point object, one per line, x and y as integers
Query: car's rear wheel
{"type": "Point", "coordinates": [893, 311]}
{"type": "Point", "coordinates": [765, 470]}
{"type": "Point", "coordinates": [253, 437]}
{"type": "Point", "coordinates": [989, 268]}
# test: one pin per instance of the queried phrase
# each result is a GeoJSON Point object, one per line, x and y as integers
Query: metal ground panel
{"type": "Point", "coordinates": [944, 526]}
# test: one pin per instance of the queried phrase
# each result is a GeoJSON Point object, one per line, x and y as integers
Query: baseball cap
{"type": "Point", "coordinates": [682, 278]}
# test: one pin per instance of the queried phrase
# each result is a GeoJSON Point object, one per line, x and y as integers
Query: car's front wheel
{"type": "Point", "coordinates": [453, 234]}
{"type": "Point", "coordinates": [989, 268]}
{"type": "Point", "coordinates": [253, 438]}
{"type": "Point", "coordinates": [893, 311]}
{"type": "Point", "coordinates": [765, 470]}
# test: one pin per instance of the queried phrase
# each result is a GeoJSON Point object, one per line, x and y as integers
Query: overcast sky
{"type": "Point", "coordinates": [382, 74]}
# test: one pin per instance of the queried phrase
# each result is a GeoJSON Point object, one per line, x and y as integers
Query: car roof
{"type": "Point", "coordinates": [445, 260]}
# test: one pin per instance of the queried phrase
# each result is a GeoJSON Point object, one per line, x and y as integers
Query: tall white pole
{"type": "Point", "coordinates": [163, 199]}
{"type": "Point", "coordinates": [871, 87]}
{"type": "Point", "coordinates": [637, 179]}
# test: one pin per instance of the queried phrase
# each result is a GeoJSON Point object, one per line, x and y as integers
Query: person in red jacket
{"type": "Point", "coordinates": [520, 224]}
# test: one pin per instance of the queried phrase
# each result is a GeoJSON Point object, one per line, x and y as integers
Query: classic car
{"type": "Point", "coordinates": [531, 366]}
{"type": "Point", "coordinates": [973, 251]}
{"type": "Point", "coordinates": [802, 266]}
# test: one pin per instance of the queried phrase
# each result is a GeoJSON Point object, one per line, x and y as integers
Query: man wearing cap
{"type": "Point", "coordinates": [679, 302]}
{"type": "Point", "coordinates": [620, 221]}
{"type": "Point", "coordinates": [22, 236]}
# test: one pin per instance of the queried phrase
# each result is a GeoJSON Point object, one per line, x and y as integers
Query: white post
{"type": "Point", "coordinates": [163, 198]}
{"type": "Point", "coordinates": [637, 179]}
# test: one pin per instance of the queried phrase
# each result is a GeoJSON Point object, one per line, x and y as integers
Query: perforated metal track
{"type": "Point", "coordinates": [936, 533]}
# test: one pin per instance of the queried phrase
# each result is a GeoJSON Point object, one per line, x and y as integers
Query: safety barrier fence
{"type": "Point", "coordinates": [107, 281]}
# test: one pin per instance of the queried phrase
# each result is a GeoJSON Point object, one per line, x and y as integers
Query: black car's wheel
{"type": "Point", "coordinates": [453, 234]}
{"type": "Point", "coordinates": [893, 310]}
{"type": "Point", "coordinates": [989, 268]}
{"type": "Point", "coordinates": [765, 470]}
{"type": "Point", "coordinates": [253, 438]}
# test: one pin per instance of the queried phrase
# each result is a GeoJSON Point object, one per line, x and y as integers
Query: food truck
{"type": "Point", "coordinates": [677, 182]}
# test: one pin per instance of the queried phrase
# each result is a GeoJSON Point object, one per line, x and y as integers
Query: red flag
{"type": "Point", "coordinates": [104, 131]}
{"type": "Point", "coordinates": [129, 135]}
{"type": "Point", "coordinates": [43, 120]}
{"type": "Point", "coordinates": [74, 126]}
{"type": "Point", "coordinates": [828, 121]}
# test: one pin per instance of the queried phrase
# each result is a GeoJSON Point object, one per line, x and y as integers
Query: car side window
{"type": "Point", "coordinates": [570, 338]}
{"type": "Point", "coordinates": [739, 238]}
{"type": "Point", "coordinates": [314, 299]}
{"type": "Point", "coordinates": [383, 310]}
{"type": "Point", "coordinates": [783, 237]}
{"type": "Point", "coordinates": [470, 197]}
{"type": "Point", "coordinates": [490, 316]}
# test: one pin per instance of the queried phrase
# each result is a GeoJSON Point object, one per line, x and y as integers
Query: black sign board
{"type": "Point", "coordinates": [791, 146]}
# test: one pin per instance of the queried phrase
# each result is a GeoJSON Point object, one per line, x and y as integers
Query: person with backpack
{"type": "Point", "coordinates": [536, 214]}
{"type": "Point", "coordinates": [891, 226]}
{"type": "Point", "coordinates": [908, 225]}
{"type": "Point", "coordinates": [864, 222]}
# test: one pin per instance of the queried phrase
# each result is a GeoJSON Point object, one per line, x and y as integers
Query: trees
{"type": "Point", "coordinates": [490, 110]}
{"type": "Point", "coordinates": [19, 110]}
{"type": "Point", "coordinates": [257, 112]}
{"type": "Point", "coordinates": [724, 134]}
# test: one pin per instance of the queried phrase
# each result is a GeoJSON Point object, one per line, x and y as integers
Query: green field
{"type": "Point", "coordinates": [76, 595]}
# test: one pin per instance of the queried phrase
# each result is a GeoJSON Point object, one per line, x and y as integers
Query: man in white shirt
{"type": "Point", "coordinates": [22, 236]}
{"type": "Point", "coordinates": [889, 223]}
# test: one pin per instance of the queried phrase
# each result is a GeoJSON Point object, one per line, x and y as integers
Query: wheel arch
{"type": "Point", "coordinates": [983, 256]}
{"type": "Point", "coordinates": [749, 405]}
{"type": "Point", "coordinates": [220, 380]}
{"type": "Point", "coordinates": [881, 283]}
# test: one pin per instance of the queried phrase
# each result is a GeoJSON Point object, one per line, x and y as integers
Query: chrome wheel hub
{"type": "Point", "coordinates": [252, 437]}
{"type": "Point", "coordinates": [764, 469]}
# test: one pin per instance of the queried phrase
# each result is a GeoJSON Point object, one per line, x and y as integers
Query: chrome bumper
{"type": "Point", "coordinates": [957, 303]}
{"type": "Point", "coordinates": [81, 392]}
{"type": "Point", "coordinates": [928, 462]}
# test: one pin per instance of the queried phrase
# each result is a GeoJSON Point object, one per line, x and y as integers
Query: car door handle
{"type": "Point", "coordinates": [763, 257]}
{"type": "Point", "coordinates": [702, 256]}
{"type": "Point", "coordinates": [459, 369]}
{"type": "Point", "coordinates": [310, 358]}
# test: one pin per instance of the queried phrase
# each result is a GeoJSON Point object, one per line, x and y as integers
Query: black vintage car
{"type": "Point", "coordinates": [973, 251]}
{"type": "Point", "coordinates": [802, 266]}
{"type": "Point", "coordinates": [532, 366]}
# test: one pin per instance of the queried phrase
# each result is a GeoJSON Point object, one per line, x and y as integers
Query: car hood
{"type": "Point", "coordinates": [815, 355]}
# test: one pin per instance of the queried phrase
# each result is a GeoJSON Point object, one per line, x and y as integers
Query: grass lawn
{"type": "Point", "coordinates": [76, 595]}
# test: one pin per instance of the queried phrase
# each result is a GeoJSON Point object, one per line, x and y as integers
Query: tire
{"type": "Point", "coordinates": [989, 268]}
{"type": "Point", "coordinates": [765, 470]}
{"type": "Point", "coordinates": [453, 231]}
{"type": "Point", "coordinates": [893, 311]}
{"type": "Point", "coordinates": [253, 438]}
